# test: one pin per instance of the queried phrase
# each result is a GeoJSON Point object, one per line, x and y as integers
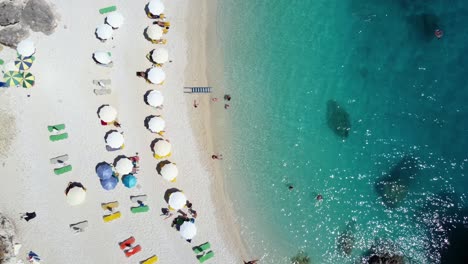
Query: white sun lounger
{"type": "Point", "coordinates": [59, 159]}
{"type": "Point", "coordinates": [79, 227]}
{"type": "Point", "coordinates": [102, 82]}
{"type": "Point", "coordinates": [197, 89]}
{"type": "Point", "coordinates": [102, 91]}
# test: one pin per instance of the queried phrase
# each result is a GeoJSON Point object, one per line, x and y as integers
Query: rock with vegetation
{"type": "Point", "coordinates": [39, 16]}
{"type": "Point", "coordinates": [300, 258]}
{"type": "Point", "coordinates": [7, 240]}
{"type": "Point", "coordinates": [338, 119]}
{"type": "Point", "coordinates": [10, 13]}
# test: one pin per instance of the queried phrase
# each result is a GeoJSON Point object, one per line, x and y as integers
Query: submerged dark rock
{"type": "Point", "coordinates": [393, 187]}
{"type": "Point", "coordinates": [338, 119]}
{"type": "Point", "coordinates": [38, 15]}
{"type": "Point", "coordinates": [9, 13]}
{"type": "Point", "coordinates": [346, 238]}
{"type": "Point", "coordinates": [383, 252]}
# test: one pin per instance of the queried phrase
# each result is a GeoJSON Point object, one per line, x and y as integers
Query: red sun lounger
{"type": "Point", "coordinates": [127, 243]}
{"type": "Point", "coordinates": [132, 251]}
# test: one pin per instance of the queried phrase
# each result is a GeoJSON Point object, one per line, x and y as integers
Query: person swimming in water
{"type": "Point", "coordinates": [439, 33]}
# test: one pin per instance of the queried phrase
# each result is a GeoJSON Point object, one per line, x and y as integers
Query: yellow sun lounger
{"type": "Point", "coordinates": [111, 217]}
{"type": "Point", "coordinates": [150, 260]}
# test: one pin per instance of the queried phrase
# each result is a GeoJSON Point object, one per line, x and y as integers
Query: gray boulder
{"type": "Point", "coordinates": [7, 240]}
{"type": "Point", "coordinates": [39, 16]}
{"type": "Point", "coordinates": [10, 36]}
{"type": "Point", "coordinates": [9, 13]}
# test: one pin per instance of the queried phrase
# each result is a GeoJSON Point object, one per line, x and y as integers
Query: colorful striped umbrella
{"type": "Point", "coordinates": [24, 63]}
{"type": "Point", "coordinates": [13, 78]}
{"type": "Point", "coordinates": [28, 80]}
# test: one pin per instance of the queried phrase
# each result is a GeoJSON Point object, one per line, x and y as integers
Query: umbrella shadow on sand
{"type": "Point", "coordinates": [72, 185]}
{"type": "Point", "coordinates": [153, 143]}
{"type": "Point", "coordinates": [145, 97]}
{"type": "Point", "coordinates": [168, 193]}
{"type": "Point", "coordinates": [100, 108]}
{"type": "Point", "coordinates": [147, 119]}
{"type": "Point", "coordinates": [161, 164]}
{"type": "Point", "coordinates": [119, 158]}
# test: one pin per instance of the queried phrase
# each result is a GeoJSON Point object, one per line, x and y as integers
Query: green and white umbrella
{"type": "Point", "coordinates": [28, 80]}
{"type": "Point", "coordinates": [24, 63]}
{"type": "Point", "coordinates": [13, 78]}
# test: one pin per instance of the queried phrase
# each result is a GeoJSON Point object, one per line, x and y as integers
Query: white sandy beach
{"type": "Point", "coordinates": [63, 93]}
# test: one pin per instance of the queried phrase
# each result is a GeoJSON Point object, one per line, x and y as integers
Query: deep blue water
{"type": "Point", "coordinates": [296, 71]}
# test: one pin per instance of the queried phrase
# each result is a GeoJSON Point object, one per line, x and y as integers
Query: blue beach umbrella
{"type": "Point", "coordinates": [104, 171]}
{"type": "Point", "coordinates": [129, 180]}
{"type": "Point", "coordinates": [110, 183]}
{"type": "Point", "coordinates": [24, 63]}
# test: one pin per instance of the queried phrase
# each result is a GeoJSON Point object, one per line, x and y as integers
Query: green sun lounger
{"type": "Point", "coordinates": [206, 256]}
{"type": "Point", "coordinates": [140, 209]}
{"type": "Point", "coordinates": [63, 169]}
{"type": "Point", "coordinates": [56, 127]}
{"type": "Point", "coordinates": [58, 137]}
{"type": "Point", "coordinates": [199, 249]}
{"type": "Point", "coordinates": [107, 9]}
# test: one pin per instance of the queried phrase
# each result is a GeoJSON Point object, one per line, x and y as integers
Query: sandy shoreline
{"type": "Point", "coordinates": [63, 94]}
{"type": "Point", "coordinates": [205, 68]}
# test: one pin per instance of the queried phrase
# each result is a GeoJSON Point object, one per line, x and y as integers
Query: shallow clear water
{"type": "Point", "coordinates": [406, 96]}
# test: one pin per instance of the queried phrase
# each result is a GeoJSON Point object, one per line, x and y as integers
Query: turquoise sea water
{"type": "Point", "coordinates": [406, 96]}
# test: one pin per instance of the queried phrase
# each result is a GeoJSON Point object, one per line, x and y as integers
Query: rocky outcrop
{"type": "Point", "coordinates": [38, 15]}
{"type": "Point", "coordinates": [10, 36]}
{"type": "Point", "coordinates": [10, 13]}
{"type": "Point", "coordinates": [7, 240]}
{"type": "Point", "coordinates": [18, 18]}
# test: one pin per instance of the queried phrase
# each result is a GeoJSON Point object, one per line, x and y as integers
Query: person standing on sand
{"type": "Point", "coordinates": [217, 157]}
{"type": "Point", "coordinates": [195, 104]}
{"type": "Point", "coordinates": [142, 74]}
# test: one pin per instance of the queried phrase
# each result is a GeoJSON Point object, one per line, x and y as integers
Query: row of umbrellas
{"type": "Point", "coordinates": [109, 180]}
{"type": "Point", "coordinates": [14, 78]}
{"type": "Point", "coordinates": [155, 124]}
{"type": "Point", "coordinates": [113, 21]}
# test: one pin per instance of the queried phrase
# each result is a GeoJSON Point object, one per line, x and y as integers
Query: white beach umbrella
{"type": "Point", "coordinates": [162, 148]}
{"type": "Point", "coordinates": [115, 19]}
{"type": "Point", "coordinates": [156, 124]}
{"type": "Point", "coordinates": [76, 196]}
{"type": "Point", "coordinates": [107, 113]}
{"type": "Point", "coordinates": [160, 55]}
{"type": "Point", "coordinates": [156, 7]}
{"type": "Point", "coordinates": [156, 75]}
{"type": "Point", "coordinates": [104, 31]}
{"type": "Point", "coordinates": [102, 57]}
{"type": "Point", "coordinates": [115, 140]}
{"type": "Point", "coordinates": [177, 200]}
{"type": "Point", "coordinates": [26, 48]}
{"type": "Point", "coordinates": [155, 98]}
{"type": "Point", "coordinates": [188, 230]}
{"type": "Point", "coordinates": [169, 171]}
{"type": "Point", "coordinates": [124, 166]}
{"type": "Point", "coordinates": [154, 32]}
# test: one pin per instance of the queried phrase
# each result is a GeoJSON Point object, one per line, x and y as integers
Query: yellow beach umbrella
{"type": "Point", "coordinates": [28, 80]}
{"type": "Point", "coordinates": [13, 78]}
